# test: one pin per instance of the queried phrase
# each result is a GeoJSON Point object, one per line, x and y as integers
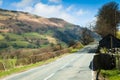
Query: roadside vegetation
{"type": "Point", "coordinates": [26, 67]}
{"type": "Point", "coordinates": [14, 61]}
{"type": "Point", "coordinates": [111, 74]}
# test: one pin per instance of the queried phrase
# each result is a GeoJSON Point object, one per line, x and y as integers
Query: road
{"type": "Point", "coordinates": [71, 67]}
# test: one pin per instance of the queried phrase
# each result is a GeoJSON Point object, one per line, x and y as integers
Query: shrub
{"type": "Point", "coordinates": [9, 63]}
{"type": "Point", "coordinates": [4, 44]}
{"type": "Point", "coordinates": [1, 66]}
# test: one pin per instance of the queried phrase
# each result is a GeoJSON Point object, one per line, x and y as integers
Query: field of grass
{"type": "Point", "coordinates": [34, 35]}
{"type": "Point", "coordinates": [111, 74]}
{"type": "Point", "coordinates": [1, 37]}
{"type": "Point", "coordinates": [13, 37]}
{"type": "Point", "coordinates": [25, 40]}
{"type": "Point", "coordinates": [21, 44]}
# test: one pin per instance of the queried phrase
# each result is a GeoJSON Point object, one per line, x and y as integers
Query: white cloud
{"type": "Point", "coordinates": [23, 3]}
{"type": "Point", "coordinates": [1, 2]}
{"type": "Point", "coordinates": [70, 8]}
{"type": "Point", "coordinates": [81, 12]}
{"type": "Point", "coordinates": [55, 1]}
{"type": "Point", "coordinates": [48, 11]}
{"type": "Point", "coordinates": [70, 13]}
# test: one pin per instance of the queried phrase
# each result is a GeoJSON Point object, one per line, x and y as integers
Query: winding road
{"type": "Point", "coordinates": [70, 67]}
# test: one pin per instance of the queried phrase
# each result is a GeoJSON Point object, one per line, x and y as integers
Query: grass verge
{"type": "Point", "coordinates": [111, 74]}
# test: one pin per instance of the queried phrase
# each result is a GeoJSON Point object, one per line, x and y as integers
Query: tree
{"type": "Point", "coordinates": [71, 43]}
{"type": "Point", "coordinates": [108, 19]}
{"type": "Point", "coordinates": [86, 36]}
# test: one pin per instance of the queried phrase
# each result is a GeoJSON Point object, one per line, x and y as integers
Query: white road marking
{"type": "Point", "coordinates": [49, 76]}
{"type": "Point", "coordinates": [60, 68]}
{"type": "Point", "coordinates": [64, 66]}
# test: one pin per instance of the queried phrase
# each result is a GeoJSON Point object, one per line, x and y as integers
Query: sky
{"type": "Point", "coordinates": [79, 12]}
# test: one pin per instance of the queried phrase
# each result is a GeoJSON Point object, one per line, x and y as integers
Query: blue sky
{"type": "Point", "coordinates": [80, 12]}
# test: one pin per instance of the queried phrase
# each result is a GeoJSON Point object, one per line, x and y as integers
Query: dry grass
{"type": "Point", "coordinates": [51, 39]}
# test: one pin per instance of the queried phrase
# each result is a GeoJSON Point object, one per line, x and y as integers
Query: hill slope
{"type": "Point", "coordinates": [20, 29]}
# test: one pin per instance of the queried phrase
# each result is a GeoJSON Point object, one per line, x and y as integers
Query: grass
{"type": "Point", "coordinates": [74, 50]}
{"type": "Point", "coordinates": [51, 39]}
{"type": "Point", "coordinates": [111, 74]}
{"type": "Point", "coordinates": [9, 63]}
{"type": "Point", "coordinates": [1, 37]}
{"type": "Point", "coordinates": [26, 67]}
{"type": "Point", "coordinates": [20, 43]}
{"type": "Point", "coordinates": [13, 37]}
{"type": "Point", "coordinates": [118, 34]}
{"type": "Point", "coordinates": [34, 35]}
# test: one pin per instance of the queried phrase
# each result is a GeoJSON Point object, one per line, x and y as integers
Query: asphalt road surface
{"type": "Point", "coordinates": [71, 67]}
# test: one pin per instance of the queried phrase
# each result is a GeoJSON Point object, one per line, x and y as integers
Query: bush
{"type": "Point", "coordinates": [4, 44]}
{"type": "Point", "coordinates": [9, 63]}
{"type": "Point", "coordinates": [1, 66]}
{"type": "Point", "coordinates": [22, 61]}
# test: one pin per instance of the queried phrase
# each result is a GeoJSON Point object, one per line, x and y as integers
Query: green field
{"type": "Point", "coordinates": [20, 44]}
{"type": "Point", "coordinates": [25, 40]}
{"type": "Point", "coordinates": [1, 37]}
{"type": "Point", "coordinates": [33, 35]}
{"type": "Point", "coordinates": [13, 37]}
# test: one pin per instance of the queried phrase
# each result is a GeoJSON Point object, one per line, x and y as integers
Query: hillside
{"type": "Point", "coordinates": [24, 30]}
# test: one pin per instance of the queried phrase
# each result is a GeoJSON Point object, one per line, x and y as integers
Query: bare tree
{"type": "Point", "coordinates": [86, 36]}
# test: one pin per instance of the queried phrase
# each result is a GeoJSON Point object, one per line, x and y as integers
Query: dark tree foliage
{"type": "Point", "coordinates": [108, 19]}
